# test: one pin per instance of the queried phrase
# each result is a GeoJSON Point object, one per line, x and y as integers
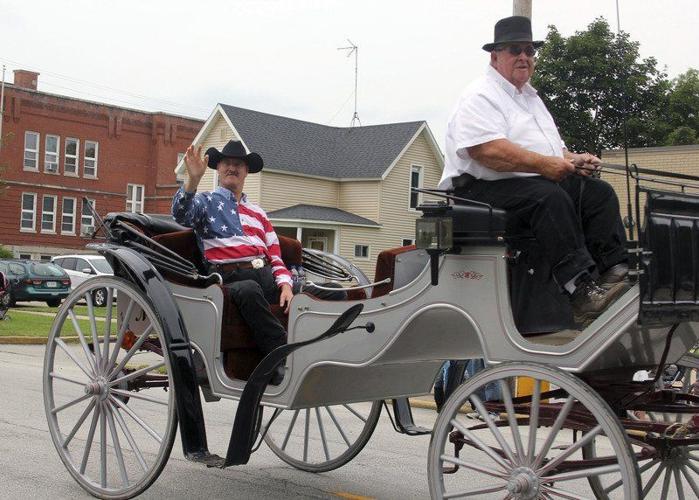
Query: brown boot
{"type": "Point", "coordinates": [589, 300]}
{"type": "Point", "coordinates": [618, 273]}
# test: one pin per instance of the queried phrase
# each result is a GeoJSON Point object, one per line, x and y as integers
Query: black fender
{"type": "Point", "coordinates": [129, 264]}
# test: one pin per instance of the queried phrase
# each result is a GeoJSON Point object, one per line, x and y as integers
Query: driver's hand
{"type": "Point", "coordinates": [586, 164]}
{"type": "Point", "coordinates": [285, 296]}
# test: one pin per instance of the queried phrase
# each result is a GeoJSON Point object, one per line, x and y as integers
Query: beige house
{"type": "Point", "coordinates": [342, 190]}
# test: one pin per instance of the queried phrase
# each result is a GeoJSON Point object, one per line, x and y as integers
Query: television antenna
{"type": "Point", "coordinates": [353, 49]}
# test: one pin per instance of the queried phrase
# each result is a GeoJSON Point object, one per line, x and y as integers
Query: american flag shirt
{"type": "Point", "coordinates": [228, 231]}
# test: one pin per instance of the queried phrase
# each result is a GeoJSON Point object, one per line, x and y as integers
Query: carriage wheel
{"type": "Point", "coordinates": [323, 438]}
{"type": "Point", "coordinates": [108, 397]}
{"type": "Point", "coordinates": [522, 450]}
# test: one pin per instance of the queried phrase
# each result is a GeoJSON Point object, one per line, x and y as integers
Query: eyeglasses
{"type": "Point", "coordinates": [516, 50]}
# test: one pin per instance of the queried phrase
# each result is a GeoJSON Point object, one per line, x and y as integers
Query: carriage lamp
{"type": "Point", "coordinates": [434, 234]}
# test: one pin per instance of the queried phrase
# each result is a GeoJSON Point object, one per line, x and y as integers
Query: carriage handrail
{"type": "Point", "coordinates": [635, 173]}
{"type": "Point", "coordinates": [634, 169]}
{"type": "Point", "coordinates": [384, 281]}
{"type": "Point", "coordinates": [445, 193]}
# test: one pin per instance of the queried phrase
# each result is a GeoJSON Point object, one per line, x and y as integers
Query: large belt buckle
{"type": "Point", "coordinates": [257, 263]}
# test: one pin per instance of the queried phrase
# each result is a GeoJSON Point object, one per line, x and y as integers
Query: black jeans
{"type": "Point", "coordinates": [577, 221]}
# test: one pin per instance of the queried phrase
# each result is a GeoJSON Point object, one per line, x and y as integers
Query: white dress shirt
{"type": "Point", "coordinates": [492, 108]}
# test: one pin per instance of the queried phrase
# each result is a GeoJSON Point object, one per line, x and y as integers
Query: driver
{"type": "Point", "coordinates": [237, 240]}
{"type": "Point", "coordinates": [503, 148]}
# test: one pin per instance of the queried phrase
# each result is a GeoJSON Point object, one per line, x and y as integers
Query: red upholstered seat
{"type": "Point", "coordinates": [386, 267]}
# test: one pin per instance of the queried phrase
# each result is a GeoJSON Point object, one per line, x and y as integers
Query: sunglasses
{"type": "Point", "coordinates": [516, 50]}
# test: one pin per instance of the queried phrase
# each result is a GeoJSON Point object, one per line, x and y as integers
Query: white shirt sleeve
{"type": "Point", "coordinates": [477, 120]}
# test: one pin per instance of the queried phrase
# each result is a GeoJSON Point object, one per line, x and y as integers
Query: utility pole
{"type": "Point", "coordinates": [522, 8]}
{"type": "Point", "coordinates": [2, 103]}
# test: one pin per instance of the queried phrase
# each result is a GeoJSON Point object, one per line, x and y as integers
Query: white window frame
{"type": "Point", "coordinates": [133, 204]}
{"type": "Point", "coordinates": [52, 213]}
{"type": "Point", "coordinates": [420, 182]}
{"type": "Point", "coordinates": [360, 257]}
{"type": "Point", "coordinates": [52, 158]}
{"type": "Point", "coordinates": [23, 211]}
{"type": "Point", "coordinates": [411, 240]}
{"type": "Point", "coordinates": [84, 217]}
{"type": "Point", "coordinates": [180, 178]}
{"type": "Point", "coordinates": [75, 158]}
{"type": "Point", "coordinates": [92, 159]}
{"type": "Point", "coordinates": [69, 215]}
{"type": "Point", "coordinates": [27, 133]}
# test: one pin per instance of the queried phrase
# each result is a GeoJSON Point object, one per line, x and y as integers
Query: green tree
{"type": "Point", "coordinates": [593, 81]}
{"type": "Point", "coordinates": [5, 253]}
{"type": "Point", "coordinates": [682, 136]}
{"type": "Point", "coordinates": [683, 108]}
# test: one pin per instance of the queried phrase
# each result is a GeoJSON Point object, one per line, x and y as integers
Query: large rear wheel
{"type": "Point", "coordinates": [108, 390]}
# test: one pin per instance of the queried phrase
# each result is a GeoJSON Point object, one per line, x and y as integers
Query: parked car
{"type": "Point", "coordinates": [81, 267]}
{"type": "Point", "coordinates": [30, 280]}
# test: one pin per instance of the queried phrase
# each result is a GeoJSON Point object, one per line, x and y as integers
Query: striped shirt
{"type": "Point", "coordinates": [228, 231]}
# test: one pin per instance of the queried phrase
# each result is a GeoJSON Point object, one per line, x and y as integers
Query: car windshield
{"type": "Point", "coordinates": [102, 265]}
{"type": "Point", "coordinates": [47, 269]}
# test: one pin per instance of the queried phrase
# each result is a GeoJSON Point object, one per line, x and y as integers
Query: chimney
{"type": "Point", "coordinates": [26, 79]}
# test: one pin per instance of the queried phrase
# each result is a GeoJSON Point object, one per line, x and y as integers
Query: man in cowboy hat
{"type": "Point", "coordinates": [236, 239]}
{"type": "Point", "coordinates": [503, 148]}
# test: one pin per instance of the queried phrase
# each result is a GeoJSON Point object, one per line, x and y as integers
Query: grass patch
{"type": "Point", "coordinates": [79, 310]}
{"type": "Point", "coordinates": [22, 324]}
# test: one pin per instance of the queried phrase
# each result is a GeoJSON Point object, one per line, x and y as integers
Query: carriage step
{"type": "Point", "coordinates": [208, 459]}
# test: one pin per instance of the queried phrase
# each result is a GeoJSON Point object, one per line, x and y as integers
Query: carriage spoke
{"type": "Point", "coordinates": [135, 347]}
{"type": "Point", "coordinates": [563, 493]}
{"type": "Point", "coordinates": [693, 467]}
{"type": "Point", "coordinates": [512, 419]}
{"type": "Point", "coordinates": [67, 379]}
{"type": "Point", "coordinates": [78, 424]}
{"type": "Point", "coordinates": [337, 425]}
{"type": "Point", "coordinates": [355, 413]}
{"type": "Point", "coordinates": [678, 484]}
{"type": "Point", "coordinates": [93, 330]}
{"type": "Point", "coordinates": [103, 448]}
{"type": "Point", "coordinates": [690, 480]}
{"type": "Point", "coordinates": [107, 327]}
{"type": "Point", "coordinates": [477, 491]}
{"type": "Point", "coordinates": [322, 434]}
{"type": "Point", "coordinates": [493, 429]}
{"type": "Point", "coordinates": [480, 444]}
{"type": "Point", "coordinates": [562, 415]}
{"type": "Point", "coordinates": [71, 403]}
{"type": "Point", "coordinates": [129, 437]}
{"type": "Point", "coordinates": [534, 420]}
{"type": "Point", "coordinates": [471, 465]}
{"type": "Point", "coordinates": [570, 450]}
{"type": "Point", "coordinates": [81, 337]}
{"type": "Point", "coordinates": [653, 479]}
{"type": "Point", "coordinates": [117, 445]}
{"type": "Point", "coordinates": [666, 482]}
{"type": "Point", "coordinates": [120, 335]}
{"type": "Point", "coordinates": [90, 438]}
{"type": "Point", "coordinates": [291, 427]}
{"type": "Point", "coordinates": [595, 471]}
{"type": "Point", "coordinates": [136, 395]}
{"type": "Point", "coordinates": [137, 419]}
{"type": "Point", "coordinates": [136, 374]}
{"type": "Point", "coordinates": [641, 470]}
{"type": "Point", "coordinates": [305, 434]}
{"type": "Point", "coordinates": [64, 347]}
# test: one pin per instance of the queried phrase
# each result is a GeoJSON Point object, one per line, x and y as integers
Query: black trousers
{"type": "Point", "coordinates": [577, 221]}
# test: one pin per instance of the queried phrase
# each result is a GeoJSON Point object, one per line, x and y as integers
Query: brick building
{"type": "Point", "coordinates": [57, 150]}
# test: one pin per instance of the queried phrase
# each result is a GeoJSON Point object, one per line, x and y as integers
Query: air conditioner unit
{"type": "Point", "coordinates": [86, 231]}
{"type": "Point", "coordinates": [52, 167]}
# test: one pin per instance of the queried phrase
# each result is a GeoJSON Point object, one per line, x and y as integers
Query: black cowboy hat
{"type": "Point", "coordinates": [512, 29]}
{"type": "Point", "coordinates": [235, 149]}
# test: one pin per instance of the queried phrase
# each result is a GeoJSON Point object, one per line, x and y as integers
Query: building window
{"type": "Point", "coordinates": [28, 212]}
{"type": "Point", "coordinates": [51, 152]}
{"type": "Point", "coordinates": [134, 198]}
{"type": "Point", "coordinates": [24, 256]}
{"type": "Point", "coordinates": [180, 177]}
{"type": "Point", "coordinates": [48, 214]}
{"type": "Point", "coordinates": [31, 151]}
{"type": "Point", "coordinates": [415, 182]}
{"type": "Point", "coordinates": [70, 163]}
{"type": "Point", "coordinates": [90, 159]}
{"type": "Point", "coordinates": [45, 258]}
{"type": "Point", "coordinates": [407, 242]}
{"type": "Point", "coordinates": [87, 222]}
{"type": "Point", "coordinates": [361, 251]}
{"type": "Point", "coordinates": [68, 216]}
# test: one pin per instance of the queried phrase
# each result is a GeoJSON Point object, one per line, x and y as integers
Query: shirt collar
{"type": "Point", "coordinates": [228, 194]}
{"type": "Point", "coordinates": [511, 90]}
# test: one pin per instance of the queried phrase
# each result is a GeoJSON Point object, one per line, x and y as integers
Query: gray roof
{"type": "Point", "coordinates": [313, 149]}
{"type": "Point", "coordinates": [319, 213]}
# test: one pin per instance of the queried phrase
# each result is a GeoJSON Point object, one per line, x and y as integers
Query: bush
{"type": "Point", "coordinates": [682, 136]}
{"type": "Point", "coordinates": [5, 253]}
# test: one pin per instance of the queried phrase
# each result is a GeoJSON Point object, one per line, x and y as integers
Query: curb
{"type": "Point", "coordinates": [33, 340]}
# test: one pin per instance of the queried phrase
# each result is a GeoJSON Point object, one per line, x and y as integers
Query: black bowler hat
{"type": "Point", "coordinates": [512, 29]}
{"type": "Point", "coordinates": [235, 149]}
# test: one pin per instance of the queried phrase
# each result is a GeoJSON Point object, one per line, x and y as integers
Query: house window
{"type": "Point", "coordinates": [23, 256]}
{"type": "Point", "coordinates": [90, 159]}
{"type": "Point", "coordinates": [70, 163]}
{"type": "Point", "coordinates": [180, 177]}
{"type": "Point", "coordinates": [48, 214]}
{"type": "Point", "coordinates": [87, 222]}
{"type": "Point", "coordinates": [68, 216]}
{"type": "Point", "coordinates": [407, 242]}
{"type": "Point", "coordinates": [45, 258]}
{"type": "Point", "coordinates": [31, 151]}
{"type": "Point", "coordinates": [51, 152]}
{"type": "Point", "coordinates": [28, 212]}
{"type": "Point", "coordinates": [134, 198]}
{"type": "Point", "coordinates": [361, 251]}
{"type": "Point", "coordinates": [415, 182]}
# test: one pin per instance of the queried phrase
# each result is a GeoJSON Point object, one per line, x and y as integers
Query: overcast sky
{"type": "Point", "coordinates": [281, 56]}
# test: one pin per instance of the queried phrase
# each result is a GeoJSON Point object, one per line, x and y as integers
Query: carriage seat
{"type": "Point", "coordinates": [386, 268]}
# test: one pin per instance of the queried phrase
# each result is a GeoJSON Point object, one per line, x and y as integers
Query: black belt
{"type": "Point", "coordinates": [235, 266]}
{"type": "Point", "coordinates": [463, 181]}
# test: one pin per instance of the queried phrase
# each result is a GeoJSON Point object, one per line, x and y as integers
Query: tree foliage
{"type": "Point", "coordinates": [683, 109]}
{"type": "Point", "coordinates": [5, 253]}
{"type": "Point", "coordinates": [593, 80]}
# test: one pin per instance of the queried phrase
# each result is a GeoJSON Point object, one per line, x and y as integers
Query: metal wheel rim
{"type": "Point", "coordinates": [314, 440]}
{"type": "Point", "coordinates": [115, 427]}
{"type": "Point", "coordinates": [523, 469]}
